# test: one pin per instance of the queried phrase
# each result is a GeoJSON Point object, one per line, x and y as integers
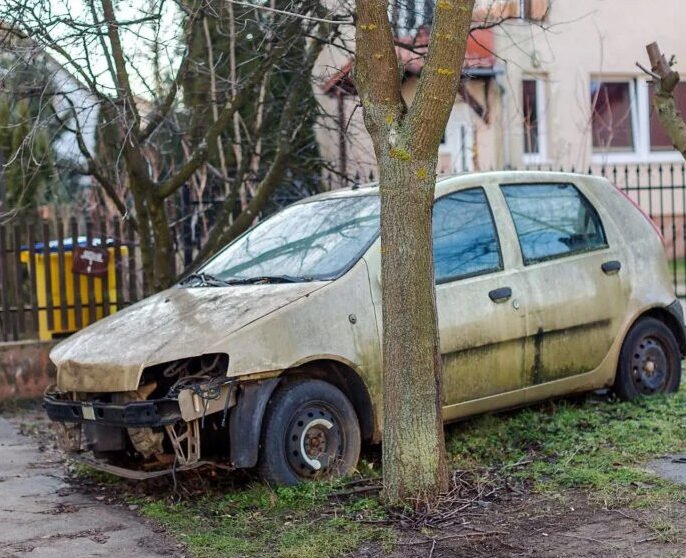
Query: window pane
{"type": "Point", "coordinates": [530, 112]}
{"type": "Point", "coordinates": [553, 220]}
{"type": "Point", "coordinates": [659, 140]}
{"type": "Point", "coordinates": [464, 237]}
{"type": "Point", "coordinates": [611, 120]}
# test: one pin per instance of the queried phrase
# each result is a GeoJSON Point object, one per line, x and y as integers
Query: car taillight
{"type": "Point", "coordinates": [648, 218]}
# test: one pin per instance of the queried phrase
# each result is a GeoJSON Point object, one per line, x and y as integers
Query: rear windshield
{"type": "Point", "coordinates": [306, 241]}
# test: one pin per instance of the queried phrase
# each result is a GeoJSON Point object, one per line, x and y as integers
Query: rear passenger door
{"type": "Point", "coordinates": [573, 275]}
{"type": "Point", "coordinates": [480, 302]}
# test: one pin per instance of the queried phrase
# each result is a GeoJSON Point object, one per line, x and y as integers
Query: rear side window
{"type": "Point", "coordinates": [464, 236]}
{"type": "Point", "coordinates": [553, 220]}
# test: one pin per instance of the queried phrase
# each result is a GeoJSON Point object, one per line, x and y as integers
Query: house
{"type": "Point", "coordinates": [56, 91]}
{"type": "Point", "coordinates": [555, 84]}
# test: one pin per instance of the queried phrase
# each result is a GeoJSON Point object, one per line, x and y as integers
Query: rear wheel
{"type": "Point", "coordinates": [310, 430]}
{"type": "Point", "coordinates": [649, 362]}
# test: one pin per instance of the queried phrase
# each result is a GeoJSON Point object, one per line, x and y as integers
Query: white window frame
{"type": "Point", "coordinates": [460, 148]}
{"type": "Point", "coordinates": [640, 128]}
{"type": "Point", "coordinates": [542, 113]}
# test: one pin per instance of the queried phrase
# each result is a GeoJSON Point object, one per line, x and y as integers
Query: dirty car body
{"type": "Point", "coordinates": [270, 356]}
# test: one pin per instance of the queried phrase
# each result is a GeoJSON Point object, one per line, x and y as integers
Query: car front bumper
{"type": "Point", "coordinates": [135, 414]}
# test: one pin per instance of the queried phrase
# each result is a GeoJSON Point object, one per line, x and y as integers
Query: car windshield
{"type": "Point", "coordinates": [313, 240]}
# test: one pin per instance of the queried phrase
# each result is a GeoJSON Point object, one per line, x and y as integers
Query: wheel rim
{"type": "Point", "coordinates": [650, 365]}
{"type": "Point", "coordinates": [314, 441]}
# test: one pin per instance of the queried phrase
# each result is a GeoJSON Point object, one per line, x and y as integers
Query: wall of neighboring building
{"type": "Point", "coordinates": [579, 43]}
{"type": "Point", "coordinates": [84, 114]}
{"type": "Point", "coordinates": [343, 139]}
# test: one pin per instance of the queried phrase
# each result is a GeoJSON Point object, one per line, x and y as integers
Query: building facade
{"type": "Point", "coordinates": [554, 84]}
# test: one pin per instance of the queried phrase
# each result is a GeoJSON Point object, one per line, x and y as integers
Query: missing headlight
{"type": "Point", "coordinates": [170, 374]}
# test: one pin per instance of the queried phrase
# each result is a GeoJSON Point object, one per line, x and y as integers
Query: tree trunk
{"type": "Point", "coordinates": [413, 457]}
{"type": "Point", "coordinates": [164, 250]}
{"type": "Point", "coordinates": [406, 141]}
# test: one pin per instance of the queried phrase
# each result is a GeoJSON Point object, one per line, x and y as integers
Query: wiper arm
{"type": "Point", "coordinates": [205, 280]}
{"type": "Point", "coordinates": [268, 279]}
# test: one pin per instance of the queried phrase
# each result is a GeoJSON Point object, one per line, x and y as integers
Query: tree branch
{"type": "Point", "coordinates": [94, 168]}
{"type": "Point", "coordinates": [665, 104]}
{"type": "Point", "coordinates": [377, 75]}
{"type": "Point", "coordinates": [125, 93]}
{"type": "Point", "coordinates": [201, 152]}
{"type": "Point", "coordinates": [440, 79]}
{"type": "Point", "coordinates": [158, 115]}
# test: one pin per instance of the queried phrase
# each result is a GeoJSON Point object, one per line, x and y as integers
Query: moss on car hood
{"type": "Point", "coordinates": [179, 322]}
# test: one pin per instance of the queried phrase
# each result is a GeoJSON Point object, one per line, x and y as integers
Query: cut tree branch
{"type": "Point", "coordinates": [666, 79]}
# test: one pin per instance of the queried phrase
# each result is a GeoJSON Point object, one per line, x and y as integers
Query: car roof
{"type": "Point", "coordinates": [446, 184]}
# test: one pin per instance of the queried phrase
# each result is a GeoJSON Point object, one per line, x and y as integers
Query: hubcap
{"type": "Point", "coordinates": [650, 366]}
{"type": "Point", "coordinates": [313, 441]}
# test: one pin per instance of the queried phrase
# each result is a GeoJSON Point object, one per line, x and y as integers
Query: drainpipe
{"type": "Point", "coordinates": [342, 145]}
{"type": "Point", "coordinates": [500, 81]}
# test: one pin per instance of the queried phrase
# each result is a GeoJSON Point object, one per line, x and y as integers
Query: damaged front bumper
{"type": "Point", "coordinates": [157, 433]}
{"type": "Point", "coordinates": [134, 414]}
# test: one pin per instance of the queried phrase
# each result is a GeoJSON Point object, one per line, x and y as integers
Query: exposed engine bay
{"type": "Point", "coordinates": [179, 407]}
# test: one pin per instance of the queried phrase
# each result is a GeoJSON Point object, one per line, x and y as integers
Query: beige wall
{"type": "Point", "coordinates": [584, 38]}
{"type": "Point", "coordinates": [578, 39]}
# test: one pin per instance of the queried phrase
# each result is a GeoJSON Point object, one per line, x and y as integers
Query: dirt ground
{"type": "Point", "coordinates": [535, 526]}
{"type": "Point", "coordinates": [518, 524]}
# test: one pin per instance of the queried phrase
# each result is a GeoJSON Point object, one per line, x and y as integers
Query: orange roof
{"type": "Point", "coordinates": [479, 54]}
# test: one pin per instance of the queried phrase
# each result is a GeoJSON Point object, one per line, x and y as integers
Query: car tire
{"type": "Point", "coordinates": [310, 430]}
{"type": "Point", "coordinates": [649, 362]}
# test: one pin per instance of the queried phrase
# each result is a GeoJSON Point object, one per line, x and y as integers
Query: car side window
{"type": "Point", "coordinates": [553, 220]}
{"type": "Point", "coordinates": [465, 242]}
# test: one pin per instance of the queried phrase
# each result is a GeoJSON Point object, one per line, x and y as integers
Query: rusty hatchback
{"type": "Point", "coordinates": [269, 355]}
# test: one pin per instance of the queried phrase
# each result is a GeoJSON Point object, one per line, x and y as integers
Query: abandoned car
{"type": "Point", "coordinates": [269, 355]}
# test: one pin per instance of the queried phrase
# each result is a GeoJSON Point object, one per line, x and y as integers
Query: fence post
{"type": "Point", "coordinates": [62, 277]}
{"type": "Point", "coordinates": [76, 279]}
{"type": "Point", "coordinates": [6, 312]}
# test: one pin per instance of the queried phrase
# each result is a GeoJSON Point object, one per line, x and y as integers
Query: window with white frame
{"type": "Point", "coordinates": [613, 115]}
{"type": "Point", "coordinates": [533, 119]}
{"type": "Point", "coordinates": [624, 126]}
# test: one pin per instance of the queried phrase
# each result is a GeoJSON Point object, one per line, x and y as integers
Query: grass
{"type": "Point", "coordinates": [679, 267]}
{"type": "Point", "coordinates": [597, 444]}
{"type": "Point", "coordinates": [285, 522]}
{"type": "Point", "coordinates": [592, 444]}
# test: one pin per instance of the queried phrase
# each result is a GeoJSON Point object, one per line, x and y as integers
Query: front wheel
{"type": "Point", "coordinates": [310, 430]}
{"type": "Point", "coordinates": [650, 361]}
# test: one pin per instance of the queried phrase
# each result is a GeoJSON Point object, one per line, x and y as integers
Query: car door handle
{"type": "Point", "coordinates": [500, 295]}
{"type": "Point", "coordinates": [611, 267]}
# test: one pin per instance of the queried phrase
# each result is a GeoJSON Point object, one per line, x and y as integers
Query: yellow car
{"type": "Point", "coordinates": [269, 355]}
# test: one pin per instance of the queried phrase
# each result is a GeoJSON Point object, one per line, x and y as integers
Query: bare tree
{"type": "Point", "coordinates": [406, 142]}
{"type": "Point", "coordinates": [155, 137]}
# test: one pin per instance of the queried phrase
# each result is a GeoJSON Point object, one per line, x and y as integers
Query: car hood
{"type": "Point", "coordinates": [179, 322]}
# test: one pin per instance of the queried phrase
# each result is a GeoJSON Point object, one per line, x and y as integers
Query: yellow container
{"type": "Point", "coordinates": [44, 332]}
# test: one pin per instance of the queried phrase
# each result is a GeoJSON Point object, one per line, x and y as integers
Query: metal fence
{"type": "Point", "coordinates": [44, 295]}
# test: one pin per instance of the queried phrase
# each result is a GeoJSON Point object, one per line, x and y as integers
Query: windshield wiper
{"type": "Point", "coordinates": [268, 279]}
{"type": "Point", "coordinates": [205, 280]}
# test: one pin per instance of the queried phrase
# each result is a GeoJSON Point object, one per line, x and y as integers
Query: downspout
{"type": "Point", "coordinates": [342, 146]}
{"type": "Point", "coordinates": [499, 71]}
